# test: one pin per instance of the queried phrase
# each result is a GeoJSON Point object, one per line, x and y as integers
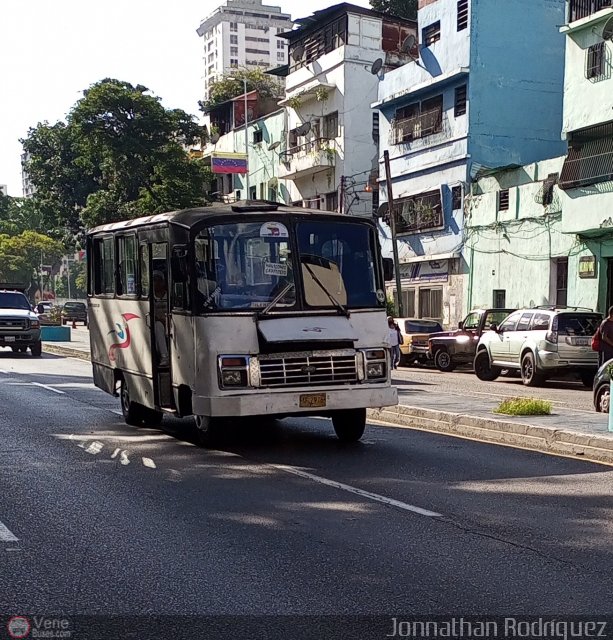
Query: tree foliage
{"type": "Point", "coordinates": [232, 84]}
{"type": "Point", "coordinates": [400, 8]}
{"type": "Point", "coordinates": [119, 155]}
{"type": "Point", "coordinates": [22, 255]}
{"type": "Point", "coordinates": [20, 214]}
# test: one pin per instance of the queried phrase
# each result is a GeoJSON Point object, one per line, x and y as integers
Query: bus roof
{"type": "Point", "coordinates": [188, 217]}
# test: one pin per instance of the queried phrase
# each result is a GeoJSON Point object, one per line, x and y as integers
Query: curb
{"type": "Point", "coordinates": [535, 437]}
{"type": "Point", "coordinates": [65, 351]}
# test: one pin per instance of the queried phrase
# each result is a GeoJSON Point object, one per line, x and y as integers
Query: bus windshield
{"type": "Point", "coordinates": [248, 265]}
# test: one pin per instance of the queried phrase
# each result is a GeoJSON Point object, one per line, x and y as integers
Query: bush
{"type": "Point", "coordinates": [524, 407]}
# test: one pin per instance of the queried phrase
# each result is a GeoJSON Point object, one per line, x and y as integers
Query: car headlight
{"type": "Point", "coordinates": [35, 324]}
{"type": "Point", "coordinates": [233, 372]}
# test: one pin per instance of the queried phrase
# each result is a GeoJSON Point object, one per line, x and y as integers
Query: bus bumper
{"type": "Point", "coordinates": [292, 402]}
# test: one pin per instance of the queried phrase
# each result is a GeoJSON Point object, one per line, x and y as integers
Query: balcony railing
{"type": "Point", "coordinates": [584, 8]}
{"type": "Point", "coordinates": [312, 146]}
{"type": "Point", "coordinates": [416, 127]}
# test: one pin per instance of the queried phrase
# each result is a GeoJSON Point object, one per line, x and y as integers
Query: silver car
{"type": "Point", "coordinates": [541, 343]}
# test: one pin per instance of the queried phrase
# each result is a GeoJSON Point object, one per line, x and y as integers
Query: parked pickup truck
{"type": "Point", "coordinates": [453, 348]}
{"type": "Point", "coordinates": [19, 325]}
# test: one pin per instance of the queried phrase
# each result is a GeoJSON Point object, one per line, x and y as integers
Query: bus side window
{"type": "Point", "coordinates": [180, 279]}
{"type": "Point", "coordinates": [143, 256]}
{"type": "Point", "coordinates": [104, 269]}
{"type": "Point", "coordinates": [126, 250]}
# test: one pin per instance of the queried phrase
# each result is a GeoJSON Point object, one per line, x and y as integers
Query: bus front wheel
{"type": "Point", "coordinates": [207, 430]}
{"type": "Point", "coordinates": [133, 413]}
{"type": "Point", "coordinates": [349, 424]}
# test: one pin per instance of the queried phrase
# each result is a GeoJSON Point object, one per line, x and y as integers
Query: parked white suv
{"type": "Point", "coordinates": [540, 343]}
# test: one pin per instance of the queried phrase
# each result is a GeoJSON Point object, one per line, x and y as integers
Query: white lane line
{"type": "Point", "coordinates": [6, 535]}
{"type": "Point", "coordinates": [117, 413]}
{"type": "Point", "coordinates": [115, 453]}
{"type": "Point", "coordinates": [360, 492]}
{"type": "Point", "coordinates": [46, 386]}
{"type": "Point", "coordinates": [148, 462]}
{"type": "Point", "coordinates": [123, 458]}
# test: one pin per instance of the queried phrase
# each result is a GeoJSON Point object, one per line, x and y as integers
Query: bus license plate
{"type": "Point", "coordinates": [312, 400]}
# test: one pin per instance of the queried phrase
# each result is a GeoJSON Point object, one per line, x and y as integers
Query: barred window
{"type": "Point", "coordinates": [503, 200]}
{"type": "Point", "coordinates": [462, 14]}
{"type": "Point", "coordinates": [595, 60]}
{"type": "Point", "coordinates": [459, 107]}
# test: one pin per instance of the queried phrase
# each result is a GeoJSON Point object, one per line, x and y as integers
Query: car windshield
{"type": "Point", "coordinates": [578, 325]}
{"type": "Point", "coordinates": [14, 300]}
{"type": "Point", "coordinates": [244, 266]}
{"type": "Point", "coordinates": [338, 265]}
{"type": "Point", "coordinates": [74, 306]}
{"type": "Point", "coordinates": [422, 326]}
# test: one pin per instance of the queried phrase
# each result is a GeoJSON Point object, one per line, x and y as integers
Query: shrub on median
{"type": "Point", "coordinates": [524, 407]}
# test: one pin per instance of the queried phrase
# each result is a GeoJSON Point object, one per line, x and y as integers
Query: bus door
{"type": "Point", "coordinates": [155, 255]}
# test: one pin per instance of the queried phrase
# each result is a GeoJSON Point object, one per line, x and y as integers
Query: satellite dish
{"type": "Point", "coordinates": [408, 44]}
{"type": "Point", "coordinates": [607, 30]}
{"type": "Point", "coordinates": [273, 145]}
{"type": "Point", "coordinates": [377, 65]}
{"type": "Point", "coordinates": [297, 53]}
{"type": "Point", "coordinates": [303, 129]}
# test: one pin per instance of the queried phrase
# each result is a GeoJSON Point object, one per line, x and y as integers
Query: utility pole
{"type": "Point", "coordinates": [246, 139]}
{"type": "Point", "coordinates": [341, 196]}
{"type": "Point", "coordinates": [390, 208]}
{"type": "Point", "coordinates": [68, 269]}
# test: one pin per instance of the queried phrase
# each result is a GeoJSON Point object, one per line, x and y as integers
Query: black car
{"type": "Point", "coordinates": [602, 384]}
{"type": "Point", "coordinates": [74, 312]}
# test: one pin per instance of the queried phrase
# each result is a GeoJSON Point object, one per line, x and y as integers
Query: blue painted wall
{"type": "Point", "coordinates": [516, 81]}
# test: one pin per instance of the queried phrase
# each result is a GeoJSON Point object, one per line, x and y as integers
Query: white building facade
{"type": "Point", "coordinates": [242, 33]}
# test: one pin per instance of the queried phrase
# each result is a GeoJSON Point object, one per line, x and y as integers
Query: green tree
{"type": "Point", "coordinates": [120, 154]}
{"type": "Point", "coordinates": [232, 84]}
{"type": "Point", "coordinates": [20, 214]}
{"type": "Point", "coordinates": [400, 8]}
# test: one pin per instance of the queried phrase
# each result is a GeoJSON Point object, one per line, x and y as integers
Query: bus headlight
{"type": "Point", "coordinates": [375, 370]}
{"type": "Point", "coordinates": [233, 372]}
{"type": "Point", "coordinates": [375, 364]}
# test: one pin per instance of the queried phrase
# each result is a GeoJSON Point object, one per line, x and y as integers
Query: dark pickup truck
{"type": "Point", "coordinates": [453, 348]}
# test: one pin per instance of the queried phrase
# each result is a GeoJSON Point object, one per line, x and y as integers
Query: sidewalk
{"type": "Point", "coordinates": [566, 431]}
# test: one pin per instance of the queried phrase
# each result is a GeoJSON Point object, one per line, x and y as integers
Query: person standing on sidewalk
{"type": "Point", "coordinates": [606, 339]}
{"type": "Point", "coordinates": [395, 340]}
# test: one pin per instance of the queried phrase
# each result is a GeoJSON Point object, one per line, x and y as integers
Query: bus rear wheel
{"type": "Point", "coordinates": [349, 424]}
{"type": "Point", "coordinates": [134, 414]}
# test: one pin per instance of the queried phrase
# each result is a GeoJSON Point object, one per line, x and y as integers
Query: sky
{"type": "Point", "coordinates": [51, 50]}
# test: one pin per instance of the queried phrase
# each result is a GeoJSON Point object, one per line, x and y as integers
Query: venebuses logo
{"type": "Point", "coordinates": [18, 627]}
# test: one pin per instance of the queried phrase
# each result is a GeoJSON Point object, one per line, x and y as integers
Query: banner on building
{"type": "Point", "coordinates": [433, 271]}
{"type": "Point", "coordinates": [229, 163]}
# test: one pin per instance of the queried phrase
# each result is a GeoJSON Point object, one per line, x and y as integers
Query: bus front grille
{"type": "Point", "coordinates": [308, 371]}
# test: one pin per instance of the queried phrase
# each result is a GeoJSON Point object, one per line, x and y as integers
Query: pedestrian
{"type": "Point", "coordinates": [606, 339]}
{"type": "Point", "coordinates": [395, 340]}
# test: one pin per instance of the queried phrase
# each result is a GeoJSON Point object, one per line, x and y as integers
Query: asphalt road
{"type": "Point", "coordinates": [564, 392]}
{"type": "Point", "coordinates": [99, 518]}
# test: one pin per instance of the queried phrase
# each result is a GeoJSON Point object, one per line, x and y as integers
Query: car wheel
{"type": "Point", "coordinates": [587, 378]}
{"type": "Point", "coordinates": [484, 369]}
{"type": "Point", "coordinates": [37, 349]}
{"type": "Point", "coordinates": [603, 398]}
{"type": "Point", "coordinates": [443, 361]}
{"type": "Point", "coordinates": [14, 349]}
{"type": "Point", "coordinates": [349, 424]}
{"type": "Point", "coordinates": [529, 375]}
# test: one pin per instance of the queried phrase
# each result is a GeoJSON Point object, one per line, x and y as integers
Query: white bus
{"type": "Point", "coordinates": [252, 309]}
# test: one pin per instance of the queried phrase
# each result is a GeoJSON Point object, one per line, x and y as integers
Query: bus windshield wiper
{"type": "Point", "coordinates": [334, 301]}
{"type": "Point", "coordinates": [275, 300]}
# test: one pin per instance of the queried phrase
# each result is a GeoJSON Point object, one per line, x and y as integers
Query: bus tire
{"type": "Point", "coordinates": [207, 430]}
{"type": "Point", "coordinates": [133, 413]}
{"type": "Point", "coordinates": [349, 424]}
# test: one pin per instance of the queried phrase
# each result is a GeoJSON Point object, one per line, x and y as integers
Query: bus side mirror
{"type": "Point", "coordinates": [388, 269]}
{"type": "Point", "coordinates": [178, 264]}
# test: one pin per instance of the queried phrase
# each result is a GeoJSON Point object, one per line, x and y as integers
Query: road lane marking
{"type": "Point", "coordinates": [359, 492]}
{"type": "Point", "coordinates": [46, 386]}
{"type": "Point", "coordinates": [148, 462]}
{"type": "Point", "coordinates": [6, 535]}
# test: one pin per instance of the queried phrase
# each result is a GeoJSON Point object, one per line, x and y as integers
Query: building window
{"type": "Point", "coordinates": [233, 62]}
{"type": "Point", "coordinates": [281, 56]}
{"type": "Point", "coordinates": [252, 39]}
{"type": "Point", "coordinates": [590, 157]}
{"type": "Point", "coordinates": [499, 299]}
{"type": "Point", "coordinates": [260, 52]}
{"type": "Point", "coordinates": [432, 33]}
{"type": "Point", "coordinates": [462, 14]}
{"type": "Point", "coordinates": [419, 212]}
{"type": "Point", "coordinates": [431, 304]}
{"type": "Point", "coordinates": [258, 136]}
{"type": "Point", "coordinates": [456, 198]}
{"type": "Point", "coordinates": [332, 201]}
{"type": "Point", "coordinates": [408, 302]}
{"type": "Point", "coordinates": [459, 106]}
{"type": "Point", "coordinates": [548, 185]}
{"type": "Point", "coordinates": [561, 266]}
{"type": "Point", "coordinates": [318, 43]}
{"type": "Point", "coordinates": [253, 193]}
{"type": "Point", "coordinates": [418, 120]}
{"type": "Point", "coordinates": [234, 26]}
{"type": "Point", "coordinates": [595, 60]}
{"type": "Point", "coordinates": [584, 8]}
{"type": "Point", "coordinates": [234, 51]}
{"type": "Point", "coordinates": [331, 126]}
{"type": "Point", "coordinates": [375, 126]}
{"type": "Point", "coordinates": [233, 39]}
{"type": "Point", "coordinates": [280, 44]}
{"type": "Point", "coordinates": [503, 200]}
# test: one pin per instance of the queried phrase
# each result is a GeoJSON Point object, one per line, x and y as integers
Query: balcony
{"type": "Point", "coordinates": [307, 159]}
{"type": "Point", "coordinates": [579, 9]}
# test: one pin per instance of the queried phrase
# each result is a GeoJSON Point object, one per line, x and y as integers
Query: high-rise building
{"type": "Point", "coordinates": [3, 189]}
{"type": "Point", "coordinates": [27, 187]}
{"type": "Point", "coordinates": [243, 33]}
